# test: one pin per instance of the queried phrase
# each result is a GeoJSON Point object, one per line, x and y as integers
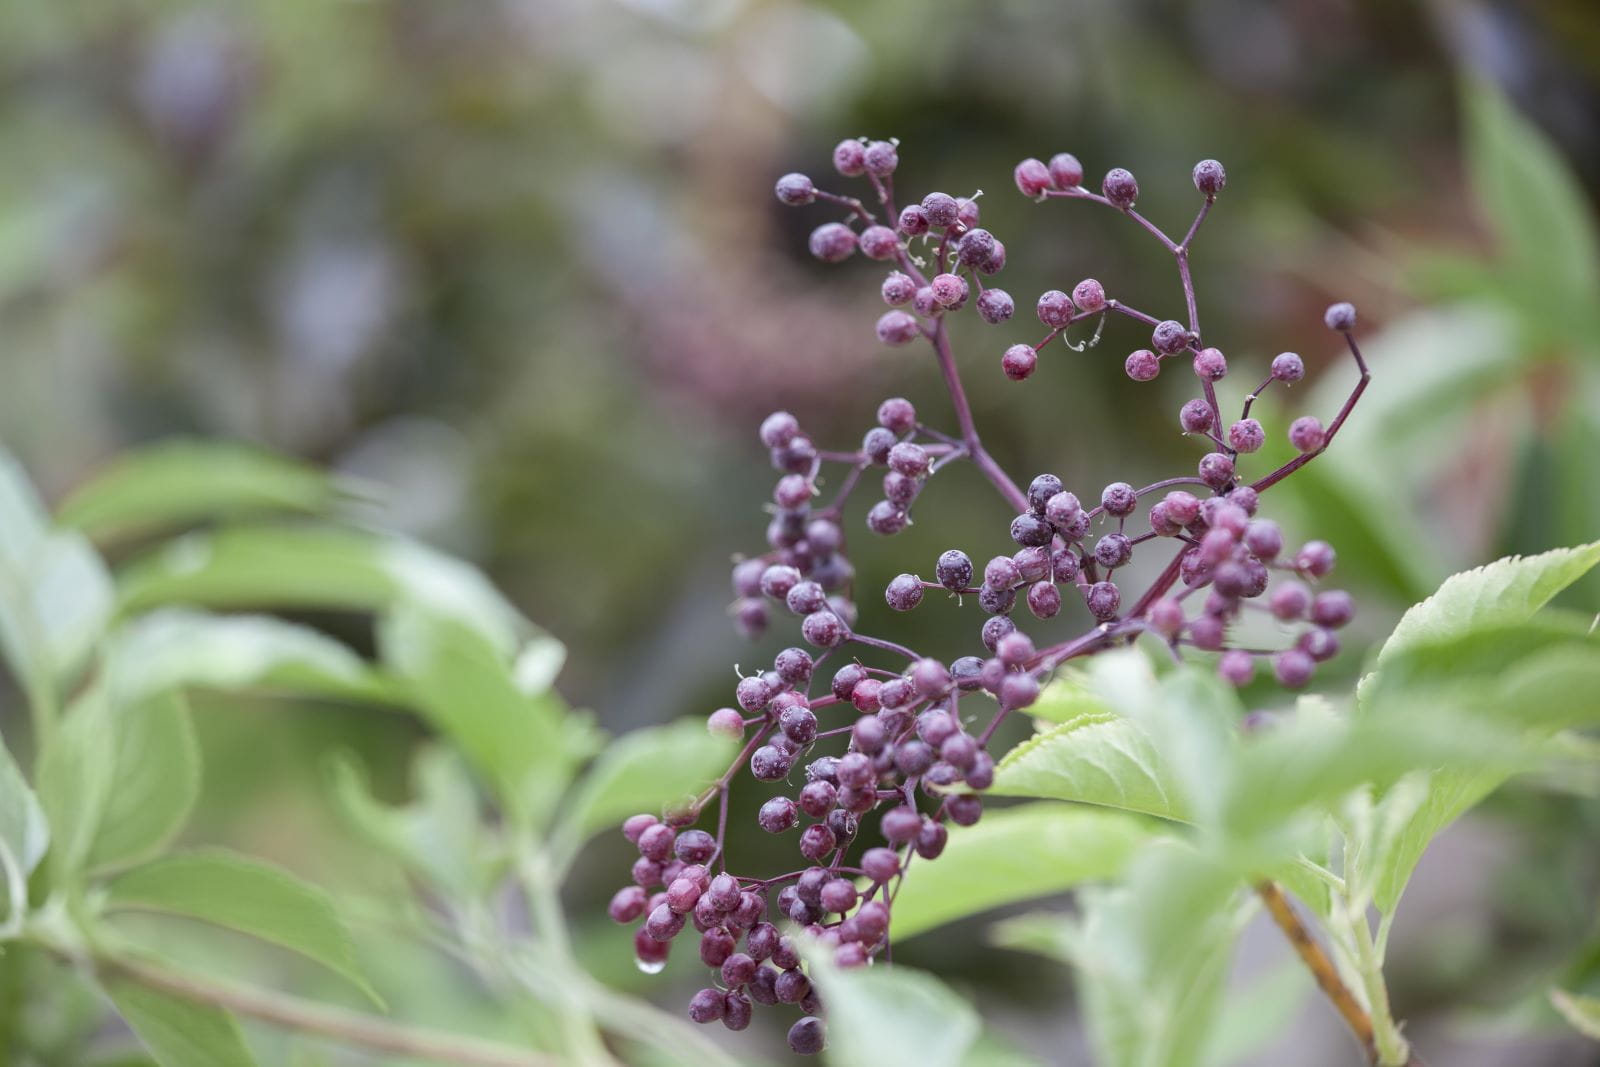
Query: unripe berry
{"type": "Point", "coordinates": [1119, 499]}
{"type": "Point", "coordinates": [1306, 434]}
{"type": "Point", "coordinates": [1209, 177]}
{"type": "Point", "coordinates": [1065, 171]}
{"type": "Point", "coordinates": [913, 221]}
{"type": "Point", "coordinates": [1089, 295]}
{"type": "Point", "coordinates": [850, 158]}
{"type": "Point", "coordinates": [904, 592]}
{"type": "Point", "coordinates": [1032, 177]}
{"type": "Point", "coordinates": [1288, 367]}
{"type": "Point", "coordinates": [1169, 337]}
{"type": "Point", "coordinates": [1019, 362]}
{"type": "Point", "coordinates": [1210, 365]}
{"type": "Point", "coordinates": [725, 722]}
{"type": "Point", "coordinates": [1246, 435]}
{"type": "Point", "coordinates": [881, 159]}
{"type": "Point", "coordinates": [832, 242]}
{"type": "Point", "coordinates": [1195, 416]}
{"type": "Point", "coordinates": [1054, 308]}
{"type": "Point", "coordinates": [1340, 316]}
{"type": "Point", "coordinates": [941, 209]}
{"type": "Point", "coordinates": [1143, 365]}
{"type": "Point", "coordinates": [995, 306]}
{"type": "Point", "coordinates": [795, 190]}
{"type": "Point", "coordinates": [1120, 188]}
{"type": "Point", "coordinates": [949, 289]}
{"type": "Point", "coordinates": [1237, 667]}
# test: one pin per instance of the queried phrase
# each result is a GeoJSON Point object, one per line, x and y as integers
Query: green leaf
{"type": "Point", "coordinates": [55, 592]}
{"type": "Point", "coordinates": [1506, 592]}
{"type": "Point", "coordinates": [464, 685]}
{"type": "Point", "coordinates": [308, 566]}
{"type": "Point", "coordinates": [1069, 696]}
{"type": "Point", "coordinates": [1539, 214]}
{"type": "Point", "coordinates": [1258, 1014]}
{"type": "Point", "coordinates": [179, 1033]}
{"type": "Point", "coordinates": [248, 896]}
{"type": "Point", "coordinates": [117, 782]}
{"type": "Point", "coordinates": [881, 1015]}
{"type": "Point", "coordinates": [1016, 854]}
{"type": "Point", "coordinates": [176, 648]}
{"type": "Point", "coordinates": [439, 835]}
{"type": "Point", "coordinates": [644, 769]}
{"type": "Point", "coordinates": [22, 824]}
{"type": "Point", "coordinates": [1097, 758]}
{"type": "Point", "coordinates": [179, 482]}
{"type": "Point", "coordinates": [1581, 1011]}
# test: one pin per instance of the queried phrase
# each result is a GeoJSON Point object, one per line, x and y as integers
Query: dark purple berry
{"type": "Point", "coordinates": [904, 592]}
{"type": "Point", "coordinates": [1293, 668]}
{"type": "Point", "coordinates": [793, 665]}
{"type": "Point", "coordinates": [880, 159]}
{"type": "Point", "coordinates": [994, 629]}
{"type": "Point", "coordinates": [1196, 416]}
{"type": "Point", "coordinates": [664, 924]}
{"type": "Point", "coordinates": [1044, 600]}
{"type": "Point", "coordinates": [1089, 295]}
{"type": "Point", "coordinates": [1113, 550]}
{"type": "Point", "coordinates": [1030, 531]}
{"type": "Point", "coordinates": [996, 601]}
{"type": "Point", "coordinates": [778, 579]}
{"type": "Point", "coordinates": [1055, 309]}
{"type": "Point", "coordinates": [817, 798]}
{"type": "Point", "coordinates": [777, 815]}
{"type": "Point", "coordinates": [1315, 558]}
{"type": "Point", "coordinates": [1120, 188]}
{"type": "Point", "coordinates": [627, 904]}
{"type": "Point", "coordinates": [634, 826]}
{"type": "Point", "coordinates": [778, 429]}
{"type": "Point", "coordinates": [879, 242]}
{"type": "Point", "coordinates": [901, 825]}
{"type": "Point", "coordinates": [817, 842]}
{"type": "Point", "coordinates": [1332, 609]}
{"type": "Point", "coordinates": [655, 842]}
{"type": "Point", "coordinates": [799, 724]}
{"type": "Point", "coordinates": [805, 598]}
{"type": "Point", "coordinates": [930, 839]}
{"type": "Point", "coordinates": [769, 764]}
{"type": "Point", "coordinates": [1216, 470]}
{"type": "Point", "coordinates": [964, 809]}
{"type": "Point", "coordinates": [1019, 362]}
{"type": "Point", "coordinates": [975, 247]}
{"type": "Point", "coordinates": [694, 846]}
{"type": "Point", "coordinates": [880, 864]}
{"type": "Point", "coordinates": [1119, 499]}
{"type": "Point", "coordinates": [954, 570]}
{"type": "Point", "coordinates": [1169, 337]}
{"type": "Point", "coordinates": [965, 670]}
{"type": "Point", "coordinates": [1210, 365]}
{"type": "Point", "coordinates": [1319, 644]}
{"type": "Point", "coordinates": [913, 221]}
{"type": "Point", "coordinates": [846, 678]}
{"type": "Point", "coordinates": [1209, 177]}
{"type": "Point", "coordinates": [808, 1036]}
{"type": "Point", "coordinates": [1290, 601]}
{"type": "Point", "coordinates": [1142, 366]}
{"type": "Point", "coordinates": [865, 696]}
{"type": "Point", "coordinates": [995, 306]}
{"type": "Point", "coordinates": [941, 209]}
{"type": "Point", "coordinates": [949, 290]}
{"type": "Point", "coordinates": [1104, 600]}
{"type": "Point", "coordinates": [900, 489]}
{"type": "Point", "coordinates": [1019, 690]}
{"type": "Point", "coordinates": [1246, 435]}
{"type": "Point", "coordinates": [706, 1006]}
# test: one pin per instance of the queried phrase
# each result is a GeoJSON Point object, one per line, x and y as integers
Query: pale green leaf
{"type": "Point", "coordinates": [309, 566]}
{"type": "Point", "coordinates": [882, 1015]}
{"type": "Point", "coordinates": [179, 1033]}
{"type": "Point", "coordinates": [1016, 854]}
{"type": "Point", "coordinates": [646, 769]}
{"type": "Point", "coordinates": [245, 895]}
{"type": "Point", "coordinates": [1539, 213]}
{"type": "Point", "coordinates": [1067, 697]}
{"type": "Point", "coordinates": [176, 648]}
{"type": "Point", "coordinates": [1581, 1011]}
{"type": "Point", "coordinates": [179, 482]}
{"type": "Point", "coordinates": [22, 824]}
{"type": "Point", "coordinates": [1259, 1013]}
{"type": "Point", "coordinates": [463, 684]}
{"type": "Point", "coordinates": [75, 774]}
{"type": "Point", "coordinates": [1097, 758]}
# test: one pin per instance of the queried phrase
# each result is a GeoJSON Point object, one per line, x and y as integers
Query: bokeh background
{"type": "Point", "coordinates": [517, 261]}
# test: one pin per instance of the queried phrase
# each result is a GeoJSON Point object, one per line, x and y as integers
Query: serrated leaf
{"type": "Point", "coordinates": [1067, 697]}
{"type": "Point", "coordinates": [880, 1015]}
{"type": "Point", "coordinates": [1581, 1011]}
{"type": "Point", "coordinates": [645, 769]}
{"type": "Point", "coordinates": [176, 648]}
{"type": "Point", "coordinates": [308, 566]}
{"type": "Point", "coordinates": [1097, 758]}
{"type": "Point", "coordinates": [246, 895]}
{"type": "Point", "coordinates": [998, 862]}
{"type": "Point", "coordinates": [179, 482]}
{"type": "Point", "coordinates": [463, 684]}
{"type": "Point", "coordinates": [179, 1033]}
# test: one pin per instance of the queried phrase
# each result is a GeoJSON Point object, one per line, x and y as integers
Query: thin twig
{"type": "Point", "coordinates": [1321, 967]}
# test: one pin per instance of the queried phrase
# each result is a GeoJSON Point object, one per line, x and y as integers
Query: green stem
{"type": "Point", "coordinates": [1392, 1048]}
{"type": "Point", "coordinates": [584, 1045]}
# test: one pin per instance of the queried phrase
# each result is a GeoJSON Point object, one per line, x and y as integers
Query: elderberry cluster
{"type": "Point", "coordinates": [904, 742]}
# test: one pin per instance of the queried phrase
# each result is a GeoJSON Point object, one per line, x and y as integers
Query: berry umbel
{"type": "Point", "coordinates": [876, 747]}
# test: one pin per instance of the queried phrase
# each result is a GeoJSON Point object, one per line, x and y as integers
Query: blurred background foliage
{"type": "Point", "coordinates": [514, 266]}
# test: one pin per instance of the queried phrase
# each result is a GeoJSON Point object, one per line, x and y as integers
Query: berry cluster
{"type": "Point", "coordinates": [904, 730]}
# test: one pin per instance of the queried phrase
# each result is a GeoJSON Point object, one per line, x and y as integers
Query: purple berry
{"type": "Point", "coordinates": [1216, 470]}
{"type": "Point", "coordinates": [1290, 601]}
{"type": "Point", "coordinates": [975, 247]}
{"type": "Point", "coordinates": [1120, 188]}
{"type": "Point", "coordinates": [1119, 499]}
{"type": "Point", "coordinates": [725, 722]}
{"type": "Point", "coordinates": [897, 328]}
{"type": "Point", "coordinates": [1065, 171]}
{"type": "Point", "coordinates": [1332, 609]}
{"type": "Point", "coordinates": [1306, 434]}
{"type": "Point", "coordinates": [1209, 177]}
{"type": "Point", "coordinates": [832, 242]}
{"type": "Point", "coordinates": [823, 629]}
{"type": "Point", "coordinates": [1315, 558]}
{"type": "Point", "coordinates": [885, 519]}
{"type": "Point", "coordinates": [795, 190]}
{"type": "Point", "coordinates": [904, 592]}
{"type": "Point", "coordinates": [1113, 550]}
{"type": "Point", "coordinates": [1237, 667]}
{"type": "Point", "coordinates": [913, 221]}
{"type": "Point", "coordinates": [1030, 531]}
{"type": "Point", "coordinates": [1044, 600]}
{"type": "Point", "coordinates": [1169, 337]}
{"type": "Point", "coordinates": [1032, 177]}
{"type": "Point", "coordinates": [778, 429]}
{"type": "Point", "coordinates": [880, 159]}
{"type": "Point", "coordinates": [995, 306]}
{"type": "Point", "coordinates": [949, 290]}
{"type": "Point", "coordinates": [1341, 316]}
{"type": "Point", "coordinates": [879, 242]}
{"type": "Point", "coordinates": [850, 158]}
{"type": "Point", "coordinates": [1054, 308]}
{"type": "Point", "coordinates": [1196, 416]}
{"type": "Point", "coordinates": [1210, 365]}
{"type": "Point", "coordinates": [808, 1036]}
{"type": "Point", "coordinates": [1288, 367]}
{"type": "Point", "coordinates": [1246, 435]}
{"type": "Point", "coordinates": [1143, 365]}
{"type": "Point", "coordinates": [1018, 691]}
{"type": "Point", "coordinates": [707, 1006]}
{"type": "Point", "coordinates": [1089, 295]}
{"type": "Point", "coordinates": [1019, 362]}
{"type": "Point", "coordinates": [941, 209]}
{"type": "Point", "coordinates": [1263, 538]}
{"type": "Point", "coordinates": [1104, 600]}
{"type": "Point", "coordinates": [1293, 668]}
{"type": "Point", "coordinates": [954, 570]}
{"type": "Point", "coordinates": [1166, 617]}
